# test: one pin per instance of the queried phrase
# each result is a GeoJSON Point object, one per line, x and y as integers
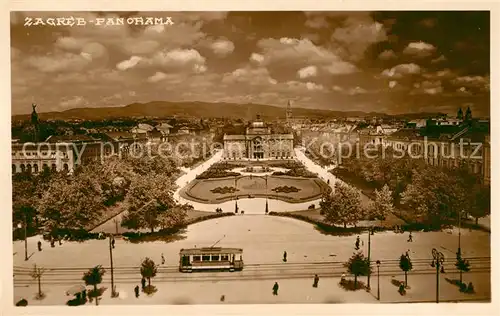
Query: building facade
{"type": "Point", "coordinates": [258, 142]}
{"type": "Point", "coordinates": [35, 157]}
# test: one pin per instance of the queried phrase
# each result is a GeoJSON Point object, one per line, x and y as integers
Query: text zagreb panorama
{"type": "Point", "coordinates": [80, 21]}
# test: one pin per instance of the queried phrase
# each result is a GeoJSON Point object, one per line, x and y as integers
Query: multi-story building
{"type": "Point", "coordinates": [35, 157]}
{"type": "Point", "coordinates": [446, 146]}
{"type": "Point", "coordinates": [258, 142]}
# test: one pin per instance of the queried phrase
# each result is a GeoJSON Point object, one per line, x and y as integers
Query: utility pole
{"type": "Point", "coordinates": [111, 261]}
{"type": "Point", "coordinates": [437, 262]}
{"type": "Point", "coordinates": [459, 252]}
{"type": "Point", "coordinates": [25, 238]}
{"type": "Point", "coordinates": [369, 262]}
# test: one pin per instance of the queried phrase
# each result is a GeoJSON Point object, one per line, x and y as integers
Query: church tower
{"type": "Point", "coordinates": [289, 112]}
{"type": "Point", "coordinates": [460, 114]}
{"type": "Point", "coordinates": [35, 123]}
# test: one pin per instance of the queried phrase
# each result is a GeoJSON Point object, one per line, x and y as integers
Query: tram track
{"type": "Point", "coordinates": [62, 275]}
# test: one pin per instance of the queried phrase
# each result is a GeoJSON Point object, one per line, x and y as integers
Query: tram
{"type": "Point", "coordinates": [212, 258]}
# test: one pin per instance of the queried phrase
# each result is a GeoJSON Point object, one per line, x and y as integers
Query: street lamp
{"type": "Point", "coordinates": [113, 293]}
{"type": "Point", "coordinates": [437, 262]}
{"type": "Point", "coordinates": [25, 237]}
{"type": "Point", "coordinates": [370, 232]}
{"type": "Point", "coordinates": [378, 280]}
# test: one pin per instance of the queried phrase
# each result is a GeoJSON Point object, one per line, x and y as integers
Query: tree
{"type": "Point", "coordinates": [382, 204]}
{"type": "Point", "coordinates": [433, 195]}
{"type": "Point", "coordinates": [71, 202]}
{"type": "Point", "coordinates": [148, 269]}
{"type": "Point", "coordinates": [358, 265]}
{"type": "Point", "coordinates": [480, 197]}
{"type": "Point", "coordinates": [37, 275]}
{"type": "Point", "coordinates": [405, 265]}
{"type": "Point", "coordinates": [150, 199]}
{"type": "Point", "coordinates": [94, 277]}
{"type": "Point", "coordinates": [343, 206]}
{"type": "Point", "coordinates": [462, 265]}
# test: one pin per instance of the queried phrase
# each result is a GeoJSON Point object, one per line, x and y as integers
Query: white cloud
{"type": "Point", "coordinates": [439, 59]}
{"type": "Point", "coordinates": [428, 87]}
{"type": "Point", "coordinates": [257, 58]}
{"type": "Point", "coordinates": [291, 51]}
{"type": "Point", "coordinates": [158, 76]}
{"type": "Point", "coordinates": [69, 43]}
{"type": "Point", "coordinates": [392, 84]}
{"type": "Point", "coordinates": [250, 76]}
{"type": "Point", "coordinates": [306, 72]}
{"type": "Point", "coordinates": [419, 49]}
{"type": "Point", "coordinates": [356, 90]}
{"type": "Point", "coordinates": [307, 86]}
{"type": "Point", "coordinates": [222, 48]}
{"type": "Point", "coordinates": [478, 82]}
{"type": "Point", "coordinates": [129, 63]}
{"type": "Point", "coordinates": [387, 54]}
{"type": "Point", "coordinates": [65, 62]}
{"type": "Point", "coordinates": [72, 102]}
{"type": "Point", "coordinates": [357, 34]}
{"type": "Point", "coordinates": [178, 57]}
{"type": "Point", "coordinates": [140, 47]}
{"type": "Point", "coordinates": [401, 70]}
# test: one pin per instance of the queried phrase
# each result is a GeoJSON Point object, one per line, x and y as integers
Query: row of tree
{"type": "Point", "coordinates": [435, 195]}
{"type": "Point", "coordinates": [144, 186]}
{"type": "Point", "coordinates": [359, 265]}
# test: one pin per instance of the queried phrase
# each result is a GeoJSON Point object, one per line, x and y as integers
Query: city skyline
{"type": "Point", "coordinates": [391, 62]}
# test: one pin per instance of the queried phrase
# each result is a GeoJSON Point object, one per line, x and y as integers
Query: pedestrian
{"type": "Point", "coordinates": [52, 244]}
{"type": "Point", "coordinates": [136, 290]}
{"type": "Point", "coordinates": [275, 288]}
{"type": "Point", "coordinates": [342, 278]}
{"type": "Point", "coordinates": [316, 280]}
{"type": "Point", "coordinates": [39, 243]}
{"type": "Point", "coordinates": [84, 295]}
{"type": "Point", "coordinates": [410, 238]}
{"type": "Point", "coordinates": [162, 259]}
{"type": "Point", "coordinates": [113, 242]}
{"type": "Point", "coordinates": [143, 283]}
{"type": "Point", "coordinates": [284, 256]}
{"type": "Point", "coordinates": [60, 241]}
{"type": "Point", "coordinates": [357, 243]}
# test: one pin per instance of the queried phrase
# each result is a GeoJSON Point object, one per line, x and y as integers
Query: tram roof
{"type": "Point", "coordinates": [209, 250]}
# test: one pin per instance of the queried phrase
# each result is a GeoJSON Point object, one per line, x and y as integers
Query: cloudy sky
{"type": "Point", "coordinates": [393, 62]}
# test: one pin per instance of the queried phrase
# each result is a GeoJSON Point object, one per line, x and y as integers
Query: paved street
{"type": "Point", "coordinates": [264, 238]}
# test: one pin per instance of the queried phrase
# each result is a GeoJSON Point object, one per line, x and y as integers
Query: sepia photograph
{"type": "Point", "coordinates": [250, 157]}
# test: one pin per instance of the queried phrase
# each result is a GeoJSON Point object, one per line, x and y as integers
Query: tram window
{"type": "Point", "coordinates": [205, 258]}
{"type": "Point", "coordinates": [224, 258]}
{"type": "Point", "coordinates": [196, 258]}
{"type": "Point", "coordinates": [215, 258]}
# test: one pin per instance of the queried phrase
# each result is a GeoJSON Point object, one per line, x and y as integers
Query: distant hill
{"type": "Point", "coordinates": [161, 109]}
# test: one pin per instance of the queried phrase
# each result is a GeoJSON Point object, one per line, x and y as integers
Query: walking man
{"type": "Point", "coordinates": [143, 283]}
{"type": "Point", "coordinates": [316, 280]}
{"type": "Point", "coordinates": [113, 242]}
{"type": "Point", "coordinates": [162, 259]}
{"type": "Point", "coordinates": [410, 238]}
{"type": "Point", "coordinates": [39, 243]}
{"type": "Point", "coordinates": [284, 256]}
{"type": "Point", "coordinates": [357, 243]}
{"type": "Point", "coordinates": [136, 290]}
{"type": "Point", "coordinates": [275, 288]}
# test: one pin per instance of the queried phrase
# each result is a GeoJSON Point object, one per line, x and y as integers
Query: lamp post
{"type": "Point", "coordinates": [459, 251]}
{"type": "Point", "coordinates": [370, 232]}
{"type": "Point", "coordinates": [113, 294]}
{"type": "Point", "coordinates": [267, 206]}
{"type": "Point", "coordinates": [25, 236]}
{"type": "Point", "coordinates": [378, 280]}
{"type": "Point", "coordinates": [437, 262]}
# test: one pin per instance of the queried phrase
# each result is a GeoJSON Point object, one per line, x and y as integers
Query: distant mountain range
{"type": "Point", "coordinates": [163, 109]}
